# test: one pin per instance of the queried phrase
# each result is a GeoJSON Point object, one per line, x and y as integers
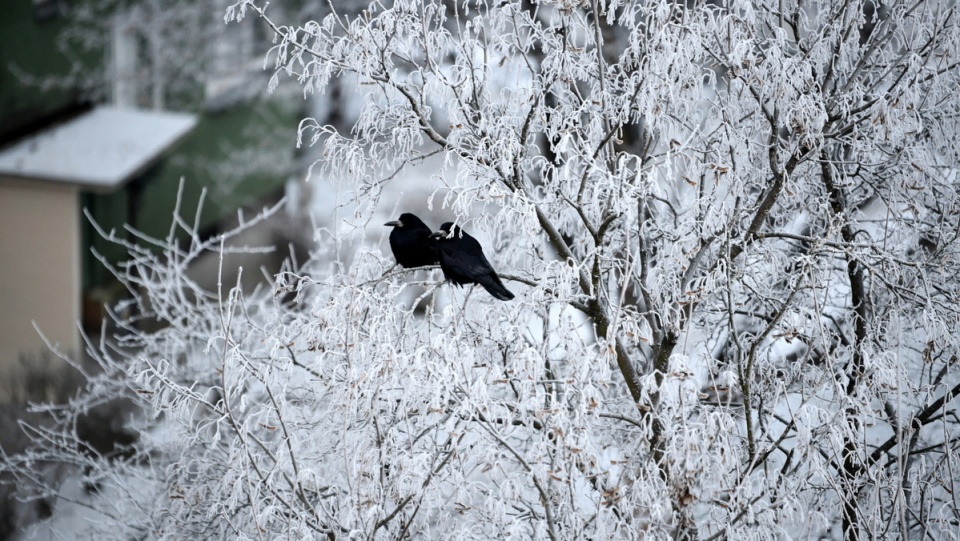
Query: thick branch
{"type": "Point", "coordinates": [858, 298]}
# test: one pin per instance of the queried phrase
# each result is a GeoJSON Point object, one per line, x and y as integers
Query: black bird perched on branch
{"type": "Point", "coordinates": [463, 262]}
{"type": "Point", "coordinates": [411, 242]}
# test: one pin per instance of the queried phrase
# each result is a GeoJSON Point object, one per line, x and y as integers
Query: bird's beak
{"type": "Point", "coordinates": [439, 235]}
{"type": "Point", "coordinates": [395, 223]}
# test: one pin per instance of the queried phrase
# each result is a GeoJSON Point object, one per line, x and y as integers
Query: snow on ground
{"type": "Point", "coordinates": [73, 514]}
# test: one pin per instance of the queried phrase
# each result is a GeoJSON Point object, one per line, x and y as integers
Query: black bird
{"type": "Point", "coordinates": [463, 262]}
{"type": "Point", "coordinates": [411, 242]}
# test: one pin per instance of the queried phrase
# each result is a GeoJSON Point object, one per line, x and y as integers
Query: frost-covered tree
{"type": "Point", "coordinates": [732, 228]}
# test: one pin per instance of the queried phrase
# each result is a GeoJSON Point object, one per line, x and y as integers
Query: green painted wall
{"type": "Point", "coordinates": [220, 155]}
{"type": "Point", "coordinates": [29, 45]}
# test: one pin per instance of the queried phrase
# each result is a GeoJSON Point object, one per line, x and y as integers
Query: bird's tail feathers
{"type": "Point", "coordinates": [496, 288]}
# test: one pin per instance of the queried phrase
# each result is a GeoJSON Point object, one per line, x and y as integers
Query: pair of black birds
{"type": "Point", "coordinates": [460, 256]}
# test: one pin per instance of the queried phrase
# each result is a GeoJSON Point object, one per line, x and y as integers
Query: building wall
{"type": "Point", "coordinates": [39, 267]}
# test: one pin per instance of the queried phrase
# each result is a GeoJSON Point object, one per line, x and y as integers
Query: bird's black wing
{"type": "Point", "coordinates": [412, 246]}
{"type": "Point", "coordinates": [463, 262]}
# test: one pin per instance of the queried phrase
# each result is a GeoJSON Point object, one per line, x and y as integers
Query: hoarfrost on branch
{"type": "Point", "coordinates": [732, 228]}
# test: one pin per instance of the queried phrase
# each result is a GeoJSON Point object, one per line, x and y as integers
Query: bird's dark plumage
{"type": "Point", "coordinates": [463, 262]}
{"type": "Point", "coordinates": [411, 242]}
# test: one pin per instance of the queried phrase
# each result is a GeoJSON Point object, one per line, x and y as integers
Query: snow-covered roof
{"type": "Point", "coordinates": [99, 150]}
